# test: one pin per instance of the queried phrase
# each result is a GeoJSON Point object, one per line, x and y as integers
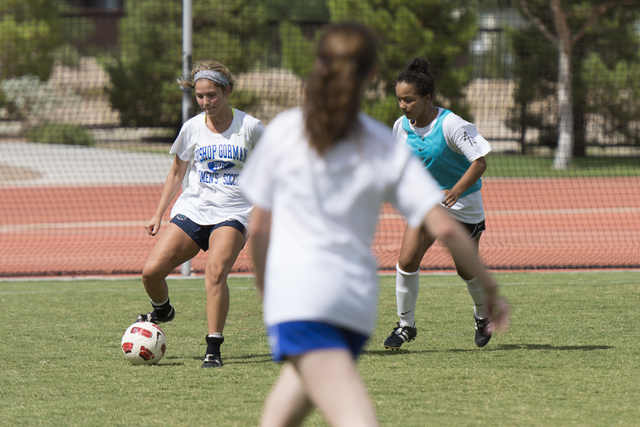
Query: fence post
{"type": "Point", "coordinates": [187, 47]}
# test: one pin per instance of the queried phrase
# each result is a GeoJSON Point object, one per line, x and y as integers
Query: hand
{"type": "Point", "coordinates": [153, 226]}
{"type": "Point", "coordinates": [450, 198]}
{"type": "Point", "coordinates": [499, 314]}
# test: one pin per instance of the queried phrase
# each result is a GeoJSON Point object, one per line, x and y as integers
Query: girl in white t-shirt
{"type": "Point", "coordinates": [212, 213]}
{"type": "Point", "coordinates": [317, 181]}
{"type": "Point", "coordinates": [453, 151]}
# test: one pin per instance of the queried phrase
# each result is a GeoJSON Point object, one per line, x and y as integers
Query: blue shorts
{"type": "Point", "coordinates": [201, 233]}
{"type": "Point", "coordinates": [296, 338]}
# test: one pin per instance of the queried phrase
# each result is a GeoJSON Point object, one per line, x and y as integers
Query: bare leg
{"type": "Point", "coordinates": [460, 263]}
{"type": "Point", "coordinates": [473, 286]}
{"type": "Point", "coordinates": [225, 244]}
{"type": "Point", "coordinates": [415, 243]}
{"type": "Point", "coordinates": [287, 404]}
{"type": "Point", "coordinates": [173, 248]}
{"type": "Point", "coordinates": [333, 385]}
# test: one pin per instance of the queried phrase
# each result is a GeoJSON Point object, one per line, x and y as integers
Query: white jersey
{"type": "Point", "coordinates": [324, 215]}
{"type": "Point", "coordinates": [213, 194]}
{"type": "Point", "coordinates": [457, 133]}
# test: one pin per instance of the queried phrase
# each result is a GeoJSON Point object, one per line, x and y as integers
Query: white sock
{"type": "Point", "coordinates": [477, 295]}
{"type": "Point", "coordinates": [407, 286]}
{"type": "Point", "coordinates": [215, 335]}
{"type": "Point", "coordinates": [159, 304]}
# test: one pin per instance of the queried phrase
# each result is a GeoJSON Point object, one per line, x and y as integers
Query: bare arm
{"type": "Point", "coordinates": [441, 226]}
{"type": "Point", "coordinates": [260, 232]}
{"type": "Point", "coordinates": [171, 187]}
{"type": "Point", "coordinates": [470, 177]}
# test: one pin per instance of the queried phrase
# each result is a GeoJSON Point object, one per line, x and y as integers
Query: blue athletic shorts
{"type": "Point", "coordinates": [296, 338]}
{"type": "Point", "coordinates": [474, 229]}
{"type": "Point", "coordinates": [201, 233]}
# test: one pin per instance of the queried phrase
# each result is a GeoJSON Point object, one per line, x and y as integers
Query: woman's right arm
{"type": "Point", "coordinates": [260, 232]}
{"type": "Point", "coordinates": [171, 187]}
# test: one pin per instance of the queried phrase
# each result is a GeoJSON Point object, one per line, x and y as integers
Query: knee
{"type": "Point", "coordinates": [151, 272]}
{"type": "Point", "coordinates": [214, 276]}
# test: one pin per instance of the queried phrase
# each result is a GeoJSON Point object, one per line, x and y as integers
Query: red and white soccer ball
{"type": "Point", "coordinates": [143, 343]}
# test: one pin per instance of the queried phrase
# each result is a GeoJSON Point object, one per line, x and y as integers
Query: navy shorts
{"type": "Point", "coordinates": [296, 338]}
{"type": "Point", "coordinates": [474, 229]}
{"type": "Point", "coordinates": [201, 233]}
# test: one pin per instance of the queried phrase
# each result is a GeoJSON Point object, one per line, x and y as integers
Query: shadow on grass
{"type": "Point", "coordinates": [225, 359]}
{"type": "Point", "coordinates": [396, 352]}
{"type": "Point", "coordinates": [266, 358]}
{"type": "Point", "coordinates": [509, 347]}
{"type": "Point", "coordinates": [552, 347]}
{"type": "Point", "coordinates": [500, 347]}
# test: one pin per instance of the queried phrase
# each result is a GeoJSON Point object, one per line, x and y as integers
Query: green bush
{"type": "Point", "coordinates": [60, 133]}
{"type": "Point", "coordinates": [243, 100]}
{"type": "Point", "coordinates": [143, 74]}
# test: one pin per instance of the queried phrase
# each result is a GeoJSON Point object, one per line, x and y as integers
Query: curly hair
{"type": "Point", "coordinates": [417, 72]}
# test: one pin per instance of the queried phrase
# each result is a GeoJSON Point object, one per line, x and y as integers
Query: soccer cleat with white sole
{"type": "Point", "coordinates": [481, 338]}
{"type": "Point", "coordinates": [399, 336]}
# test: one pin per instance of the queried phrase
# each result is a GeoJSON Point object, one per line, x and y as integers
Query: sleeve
{"type": "Point", "coordinates": [463, 138]}
{"type": "Point", "coordinates": [256, 133]}
{"type": "Point", "coordinates": [258, 175]}
{"type": "Point", "coordinates": [399, 134]}
{"type": "Point", "coordinates": [182, 146]}
{"type": "Point", "coordinates": [416, 191]}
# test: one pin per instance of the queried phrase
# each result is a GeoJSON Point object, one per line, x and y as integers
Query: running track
{"type": "Point", "coordinates": [531, 224]}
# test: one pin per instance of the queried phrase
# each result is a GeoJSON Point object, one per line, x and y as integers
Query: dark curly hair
{"type": "Point", "coordinates": [417, 72]}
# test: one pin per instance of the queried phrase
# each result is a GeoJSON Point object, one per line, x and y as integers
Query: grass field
{"type": "Point", "coordinates": [570, 358]}
{"type": "Point", "coordinates": [517, 166]}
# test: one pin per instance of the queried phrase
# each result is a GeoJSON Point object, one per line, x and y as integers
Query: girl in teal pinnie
{"type": "Point", "coordinates": [453, 151]}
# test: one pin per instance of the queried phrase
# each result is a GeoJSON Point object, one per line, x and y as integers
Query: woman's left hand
{"type": "Point", "coordinates": [450, 198]}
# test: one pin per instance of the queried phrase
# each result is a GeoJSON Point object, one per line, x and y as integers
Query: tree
{"type": "Point", "coordinates": [582, 16]}
{"type": "Point", "coordinates": [30, 32]}
{"type": "Point", "coordinates": [143, 74]}
{"type": "Point", "coordinates": [440, 30]}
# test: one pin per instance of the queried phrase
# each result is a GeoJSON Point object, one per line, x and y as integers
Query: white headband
{"type": "Point", "coordinates": [214, 76]}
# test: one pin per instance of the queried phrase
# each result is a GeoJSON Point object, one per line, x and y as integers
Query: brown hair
{"type": "Point", "coordinates": [212, 65]}
{"type": "Point", "coordinates": [346, 55]}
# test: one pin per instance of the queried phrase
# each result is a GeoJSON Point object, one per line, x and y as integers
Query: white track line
{"type": "Point", "coordinates": [69, 225]}
{"type": "Point", "coordinates": [117, 224]}
{"type": "Point", "coordinates": [594, 211]}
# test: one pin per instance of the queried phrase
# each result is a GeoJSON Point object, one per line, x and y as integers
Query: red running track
{"type": "Point", "coordinates": [531, 224]}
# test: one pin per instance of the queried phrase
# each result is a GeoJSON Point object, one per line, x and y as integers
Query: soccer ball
{"type": "Point", "coordinates": [143, 343]}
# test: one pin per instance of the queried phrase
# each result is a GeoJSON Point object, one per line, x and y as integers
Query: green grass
{"type": "Point", "coordinates": [570, 358]}
{"type": "Point", "coordinates": [517, 166]}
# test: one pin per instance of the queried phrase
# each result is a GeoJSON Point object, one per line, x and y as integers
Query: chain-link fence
{"type": "Point", "coordinates": [89, 107]}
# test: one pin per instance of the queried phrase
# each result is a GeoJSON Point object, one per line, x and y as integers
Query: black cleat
{"type": "Point", "coordinates": [481, 339]}
{"type": "Point", "coordinates": [212, 361]}
{"type": "Point", "coordinates": [153, 317]}
{"type": "Point", "coordinates": [400, 335]}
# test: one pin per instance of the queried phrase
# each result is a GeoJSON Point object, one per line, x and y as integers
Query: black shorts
{"type": "Point", "coordinates": [201, 233]}
{"type": "Point", "coordinates": [474, 229]}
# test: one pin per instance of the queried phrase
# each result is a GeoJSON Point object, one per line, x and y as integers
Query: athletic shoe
{"type": "Point", "coordinates": [153, 317]}
{"type": "Point", "coordinates": [400, 335]}
{"type": "Point", "coordinates": [212, 361]}
{"type": "Point", "coordinates": [482, 339]}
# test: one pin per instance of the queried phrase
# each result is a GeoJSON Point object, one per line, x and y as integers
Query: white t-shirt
{"type": "Point", "coordinates": [324, 215]}
{"type": "Point", "coordinates": [458, 133]}
{"type": "Point", "coordinates": [213, 194]}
